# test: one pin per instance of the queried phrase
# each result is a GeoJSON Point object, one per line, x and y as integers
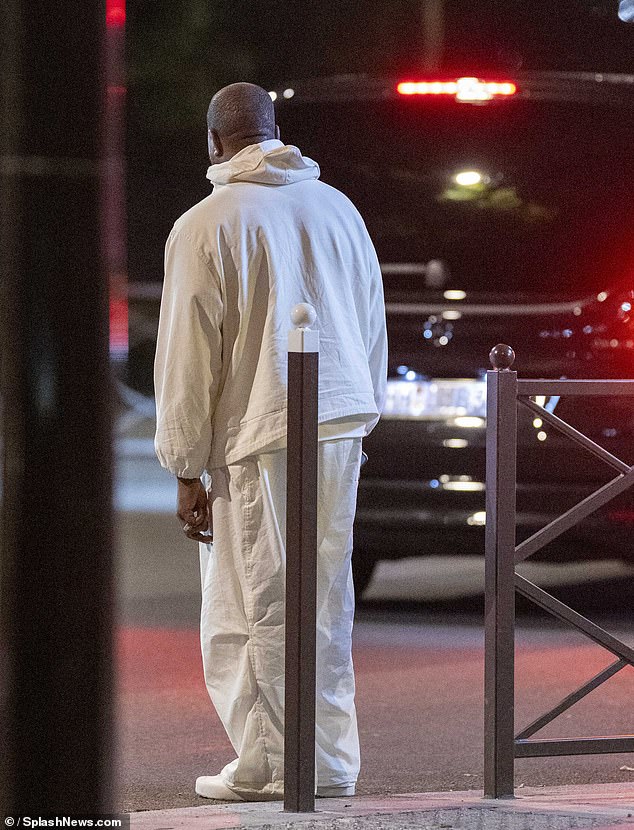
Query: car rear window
{"type": "Point", "coordinates": [524, 196]}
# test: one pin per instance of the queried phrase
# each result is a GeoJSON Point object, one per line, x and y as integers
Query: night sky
{"type": "Point", "coordinates": [180, 53]}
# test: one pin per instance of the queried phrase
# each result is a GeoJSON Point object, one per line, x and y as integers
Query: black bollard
{"type": "Point", "coordinates": [499, 656]}
{"type": "Point", "coordinates": [301, 564]}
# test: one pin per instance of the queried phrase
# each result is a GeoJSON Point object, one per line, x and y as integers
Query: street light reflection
{"type": "Point", "coordinates": [467, 178]}
{"type": "Point", "coordinates": [477, 519]}
{"type": "Point", "coordinates": [465, 486]}
{"type": "Point", "coordinates": [469, 421]}
{"type": "Point", "coordinates": [455, 443]}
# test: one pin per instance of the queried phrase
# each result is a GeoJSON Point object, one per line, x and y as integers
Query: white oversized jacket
{"type": "Point", "coordinates": [268, 237]}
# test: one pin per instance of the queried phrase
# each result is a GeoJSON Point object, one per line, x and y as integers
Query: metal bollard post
{"type": "Point", "coordinates": [301, 563]}
{"type": "Point", "coordinates": [499, 658]}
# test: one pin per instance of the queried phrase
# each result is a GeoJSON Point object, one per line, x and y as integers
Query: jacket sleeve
{"type": "Point", "coordinates": [377, 332]}
{"type": "Point", "coordinates": [188, 359]}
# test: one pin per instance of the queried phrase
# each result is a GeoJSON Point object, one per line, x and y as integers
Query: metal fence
{"type": "Point", "coordinates": [502, 745]}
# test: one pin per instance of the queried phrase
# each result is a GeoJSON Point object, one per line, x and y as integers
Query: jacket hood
{"type": "Point", "coordinates": [269, 162]}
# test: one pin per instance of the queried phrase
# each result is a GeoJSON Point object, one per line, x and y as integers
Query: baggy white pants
{"type": "Point", "coordinates": [242, 617]}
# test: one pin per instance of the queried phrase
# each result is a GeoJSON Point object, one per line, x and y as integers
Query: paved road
{"type": "Point", "coordinates": [419, 679]}
{"type": "Point", "coordinates": [418, 658]}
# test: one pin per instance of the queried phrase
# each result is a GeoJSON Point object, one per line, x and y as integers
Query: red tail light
{"type": "Point", "coordinates": [462, 89]}
{"type": "Point", "coordinates": [115, 13]}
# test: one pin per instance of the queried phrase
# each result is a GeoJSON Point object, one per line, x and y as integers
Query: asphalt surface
{"type": "Point", "coordinates": [419, 698]}
{"type": "Point", "coordinates": [419, 663]}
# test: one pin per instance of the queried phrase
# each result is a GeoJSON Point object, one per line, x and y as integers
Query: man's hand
{"type": "Point", "coordinates": [193, 510]}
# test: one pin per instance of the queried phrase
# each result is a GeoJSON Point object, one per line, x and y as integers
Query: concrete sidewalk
{"type": "Point", "coordinates": [559, 808]}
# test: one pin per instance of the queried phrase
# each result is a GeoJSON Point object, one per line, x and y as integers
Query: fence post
{"type": "Point", "coordinates": [499, 657]}
{"type": "Point", "coordinates": [301, 563]}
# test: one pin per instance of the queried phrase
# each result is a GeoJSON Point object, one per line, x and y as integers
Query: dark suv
{"type": "Point", "coordinates": [502, 211]}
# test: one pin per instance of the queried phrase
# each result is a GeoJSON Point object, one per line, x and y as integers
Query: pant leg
{"type": "Point", "coordinates": [337, 737]}
{"type": "Point", "coordinates": [242, 621]}
{"type": "Point", "coordinates": [337, 759]}
{"type": "Point", "coordinates": [242, 629]}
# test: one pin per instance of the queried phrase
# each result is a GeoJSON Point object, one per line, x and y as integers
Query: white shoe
{"type": "Point", "coordinates": [212, 786]}
{"type": "Point", "coordinates": [336, 791]}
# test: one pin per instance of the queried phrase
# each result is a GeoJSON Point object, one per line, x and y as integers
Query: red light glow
{"type": "Point", "coordinates": [463, 89]}
{"type": "Point", "coordinates": [118, 326]}
{"type": "Point", "coordinates": [625, 517]}
{"type": "Point", "coordinates": [115, 13]}
{"type": "Point", "coordinates": [427, 88]}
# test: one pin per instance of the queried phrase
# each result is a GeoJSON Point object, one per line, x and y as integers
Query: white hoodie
{"type": "Point", "coordinates": [268, 237]}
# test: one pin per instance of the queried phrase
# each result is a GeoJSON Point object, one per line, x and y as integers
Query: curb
{"type": "Point", "coordinates": [553, 808]}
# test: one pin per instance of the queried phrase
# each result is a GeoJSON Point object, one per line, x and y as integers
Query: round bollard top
{"type": "Point", "coordinates": [303, 316]}
{"type": "Point", "coordinates": [501, 356]}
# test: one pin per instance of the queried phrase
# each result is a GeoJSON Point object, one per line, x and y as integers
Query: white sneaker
{"type": "Point", "coordinates": [212, 786]}
{"type": "Point", "coordinates": [336, 791]}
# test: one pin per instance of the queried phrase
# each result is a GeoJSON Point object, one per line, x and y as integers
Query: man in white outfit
{"type": "Point", "coordinates": [270, 236]}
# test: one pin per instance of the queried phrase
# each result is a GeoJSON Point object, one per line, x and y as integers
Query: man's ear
{"type": "Point", "coordinates": [277, 132]}
{"type": "Point", "coordinates": [216, 148]}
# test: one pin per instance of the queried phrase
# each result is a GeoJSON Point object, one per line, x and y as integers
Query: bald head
{"type": "Point", "coordinates": [239, 115]}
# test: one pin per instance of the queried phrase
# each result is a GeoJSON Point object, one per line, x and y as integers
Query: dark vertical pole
{"type": "Point", "coordinates": [499, 660]}
{"type": "Point", "coordinates": [56, 580]}
{"type": "Point", "coordinates": [301, 564]}
{"type": "Point", "coordinates": [113, 205]}
{"type": "Point", "coordinates": [433, 21]}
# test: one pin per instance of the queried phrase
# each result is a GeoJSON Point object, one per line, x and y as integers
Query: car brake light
{"type": "Point", "coordinates": [463, 89]}
{"type": "Point", "coordinates": [115, 13]}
